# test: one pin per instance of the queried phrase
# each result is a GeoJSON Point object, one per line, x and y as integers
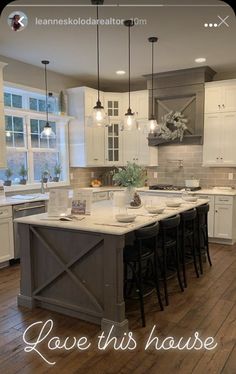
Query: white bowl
{"type": "Point", "coordinates": [191, 199]}
{"type": "Point", "coordinates": [125, 218]}
{"type": "Point", "coordinates": [154, 209]}
{"type": "Point", "coordinates": [173, 203]}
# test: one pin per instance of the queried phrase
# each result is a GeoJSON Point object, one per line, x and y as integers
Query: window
{"type": "Point", "coordinates": [12, 100]}
{"type": "Point", "coordinates": [23, 138]}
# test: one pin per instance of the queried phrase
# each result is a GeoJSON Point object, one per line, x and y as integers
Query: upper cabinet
{"type": "Point", "coordinates": [220, 124]}
{"type": "Point", "coordinates": [138, 103]}
{"type": "Point", "coordinates": [2, 121]}
{"type": "Point", "coordinates": [108, 146]}
{"type": "Point", "coordinates": [220, 96]}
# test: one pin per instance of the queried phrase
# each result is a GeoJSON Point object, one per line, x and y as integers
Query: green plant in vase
{"type": "Point", "coordinates": [23, 174]}
{"type": "Point", "coordinates": [45, 174]}
{"type": "Point", "coordinates": [57, 172]}
{"type": "Point", "coordinates": [8, 175]}
{"type": "Point", "coordinates": [131, 177]}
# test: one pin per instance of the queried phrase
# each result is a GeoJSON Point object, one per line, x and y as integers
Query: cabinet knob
{"type": "Point", "coordinates": [221, 158]}
{"type": "Point", "coordinates": [216, 211]}
{"type": "Point", "coordinates": [217, 158]}
{"type": "Point", "coordinates": [95, 159]}
{"type": "Point", "coordinates": [219, 106]}
{"type": "Point", "coordinates": [223, 105]}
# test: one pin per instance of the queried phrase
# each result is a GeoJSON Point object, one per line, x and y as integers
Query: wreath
{"type": "Point", "coordinates": [173, 126]}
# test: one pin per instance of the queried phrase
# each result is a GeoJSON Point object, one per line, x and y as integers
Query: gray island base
{"type": "Point", "coordinates": [76, 268]}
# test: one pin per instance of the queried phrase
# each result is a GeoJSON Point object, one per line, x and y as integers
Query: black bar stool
{"type": "Point", "coordinates": [202, 228]}
{"type": "Point", "coordinates": [169, 245]}
{"type": "Point", "coordinates": [138, 258]}
{"type": "Point", "coordinates": [188, 240]}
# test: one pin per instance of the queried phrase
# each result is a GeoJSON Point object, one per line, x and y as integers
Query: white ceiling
{"type": "Point", "coordinates": [72, 49]}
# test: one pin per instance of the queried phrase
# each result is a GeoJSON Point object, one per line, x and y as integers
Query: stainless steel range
{"type": "Point", "coordinates": [171, 187]}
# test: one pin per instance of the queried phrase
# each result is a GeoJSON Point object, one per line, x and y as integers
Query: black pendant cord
{"type": "Point", "coordinates": [152, 80]}
{"type": "Point", "coordinates": [129, 84]}
{"type": "Point", "coordinates": [152, 40]}
{"type": "Point", "coordinates": [46, 93]}
{"type": "Point", "coordinates": [98, 58]}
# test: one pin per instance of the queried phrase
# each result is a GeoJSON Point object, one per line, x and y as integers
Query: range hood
{"type": "Point", "coordinates": [181, 91]}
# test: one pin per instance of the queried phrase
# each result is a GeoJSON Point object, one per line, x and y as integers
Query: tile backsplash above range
{"type": "Point", "coordinates": [188, 164]}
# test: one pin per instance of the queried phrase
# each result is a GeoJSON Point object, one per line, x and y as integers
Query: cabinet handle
{"type": "Point", "coordinates": [221, 158]}
{"type": "Point", "coordinates": [223, 105]}
{"type": "Point", "coordinates": [216, 211]}
{"type": "Point", "coordinates": [217, 158]}
{"type": "Point", "coordinates": [219, 106]}
{"type": "Point", "coordinates": [95, 159]}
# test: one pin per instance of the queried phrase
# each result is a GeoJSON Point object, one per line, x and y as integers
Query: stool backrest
{"type": "Point", "coordinates": [170, 223]}
{"type": "Point", "coordinates": [203, 209]}
{"type": "Point", "coordinates": [189, 215]}
{"type": "Point", "coordinates": [147, 232]}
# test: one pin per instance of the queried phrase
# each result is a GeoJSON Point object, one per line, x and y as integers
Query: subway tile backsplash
{"type": "Point", "coordinates": [170, 172]}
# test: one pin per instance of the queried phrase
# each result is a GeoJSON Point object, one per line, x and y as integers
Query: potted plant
{"type": "Point", "coordinates": [23, 174]}
{"type": "Point", "coordinates": [45, 174]}
{"type": "Point", "coordinates": [8, 174]}
{"type": "Point", "coordinates": [57, 172]}
{"type": "Point", "coordinates": [131, 177]}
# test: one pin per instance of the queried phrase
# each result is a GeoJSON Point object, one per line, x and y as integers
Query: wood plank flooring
{"type": "Point", "coordinates": [208, 306]}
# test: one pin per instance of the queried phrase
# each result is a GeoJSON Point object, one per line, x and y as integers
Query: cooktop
{"type": "Point", "coordinates": [171, 187]}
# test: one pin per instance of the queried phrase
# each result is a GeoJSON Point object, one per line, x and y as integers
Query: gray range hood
{"type": "Point", "coordinates": [183, 91]}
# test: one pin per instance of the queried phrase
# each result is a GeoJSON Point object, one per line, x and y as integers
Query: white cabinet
{"type": "Point", "coordinates": [220, 96]}
{"type": "Point", "coordinates": [223, 217]}
{"type": "Point", "coordinates": [113, 104]}
{"type": "Point", "coordinates": [2, 121]}
{"type": "Point", "coordinates": [136, 149]}
{"type": "Point", "coordinates": [113, 144]}
{"type": "Point", "coordinates": [6, 234]}
{"type": "Point", "coordinates": [87, 144]}
{"type": "Point", "coordinates": [138, 103]}
{"type": "Point", "coordinates": [219, 139]}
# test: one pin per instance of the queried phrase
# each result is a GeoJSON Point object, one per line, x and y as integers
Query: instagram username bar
{"type": "Point", "coordinates": [86, 21]}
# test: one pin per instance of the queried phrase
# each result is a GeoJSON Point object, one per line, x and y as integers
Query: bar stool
{"type": "Point", "coordinates": [188, 239]}
{"type": "Point", "coordinates": [169, 245]}
{"type": "Point", "coordinates": [137, 258]}
{"type": "Point", "coordinates": [202, 229]}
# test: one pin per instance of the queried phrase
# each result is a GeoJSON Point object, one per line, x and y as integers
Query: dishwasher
{"type": "Point", "coordinates": [24, 210]}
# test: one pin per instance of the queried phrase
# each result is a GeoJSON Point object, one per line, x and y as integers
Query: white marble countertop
{"type": "Point", "coordinates": [5, 201]}
{"type": "Point", "coordinates": [103, 217]}
{"type": "Point", "coordinates": [203, 191]}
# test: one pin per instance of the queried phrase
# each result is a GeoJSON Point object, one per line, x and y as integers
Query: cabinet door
{"type": "Point", "coordinates": [6, 235]}
{"type": "Point", "coordinates": [212, 141]}
{"type": "Point", "coordinates": [90, 99]}
{"type": "Point", "coordinates": [223, 221]}
{"type": "Point", "coordinates": [139, 104]}
{"type": "Point", "coordinates": [112, 105]}
{"type": "Point", "coordinates": [2, 137]}
{"type": "Point", "coordinates": [95, 146]}
{"type": "Point", "coordinates": [130, 146]}
{"type": "Point", "coordinates": [213, 99]}
{"type": "Point", "coordinates": [113, 145]}
{"type": "Point", "coordinates": [228, 136]}
{"type": "Point", "coordinates": [229, 98]}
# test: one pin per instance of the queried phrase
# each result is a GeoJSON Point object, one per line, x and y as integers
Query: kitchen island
{"type": "Point", "coordinates": [76, 268]}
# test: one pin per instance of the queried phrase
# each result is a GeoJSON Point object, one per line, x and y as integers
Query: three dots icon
{"type": "Point", "coordinates": [211, 25]}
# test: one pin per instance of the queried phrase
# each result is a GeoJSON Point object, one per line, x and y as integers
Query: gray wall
{"type": "Point", "coordinates": [33, 76]}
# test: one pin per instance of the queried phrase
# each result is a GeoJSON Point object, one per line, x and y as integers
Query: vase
{"type": "Point", "coordinates": [129, 192]}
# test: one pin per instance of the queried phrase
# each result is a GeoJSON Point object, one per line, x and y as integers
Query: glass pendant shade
{"type": "Point", "coordinates": [152, 125]}
{"type": "Point", "coordinates": [99, 115]}
{"type": "Point", "coordinates": [129, 122]}
{"type": "Point", "coordinates": [47, 132]}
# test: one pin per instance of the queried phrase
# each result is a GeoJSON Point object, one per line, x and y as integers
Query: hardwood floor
{"type": "Point", "coordinates": [208, 306]}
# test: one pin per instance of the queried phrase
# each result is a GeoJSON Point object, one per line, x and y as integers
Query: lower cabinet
{"type": "Point", "coordinates": [223, 221]}
{"type": "Point", "coordinates": [6, 234]}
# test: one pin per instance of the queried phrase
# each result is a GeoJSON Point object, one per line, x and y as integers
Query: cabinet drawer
{"type": "Point", "coordinates": [227, 200]}
{"type": "Point", "coordinates": [5, 212]}
{"type": "Point", "coordinates": [100, 196]}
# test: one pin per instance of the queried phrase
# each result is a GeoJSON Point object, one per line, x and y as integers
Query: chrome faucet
{"type": "Point", "coordinates": [43, 187]}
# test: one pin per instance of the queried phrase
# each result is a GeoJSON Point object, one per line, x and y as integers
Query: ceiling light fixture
{"type": "Point", "coordinates": [152, 123]}
{"type": "Point", "coordinates": [129, 120]}
{"type": "Point", "coordinates": [120, 72]}
{"type": "Point", "coordinates": [99, 116]}
{"type": "Point", "coordinates": [199, 60]}
{"type": "Point", "coordinates": [47, 131]}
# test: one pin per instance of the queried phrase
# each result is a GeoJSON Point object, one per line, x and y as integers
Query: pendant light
{"type": "Point", "coordinates": [47, 131]}
{"type": "Point", "coordinates": [99, 115]}
{"type": "Point", "coordinates": [129, 120]}
{"type": "Point", "coordinates": [152, 123]}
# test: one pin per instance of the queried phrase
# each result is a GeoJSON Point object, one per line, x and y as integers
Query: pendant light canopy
{"type": "Point", "coordinates": [99, 115]}
{"type": "Point", "coordinates": [129, 120]}
{"type": "Point", "coordinates": [152, 123]}
{"type": "Point", "coordinates": [47, 131]}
